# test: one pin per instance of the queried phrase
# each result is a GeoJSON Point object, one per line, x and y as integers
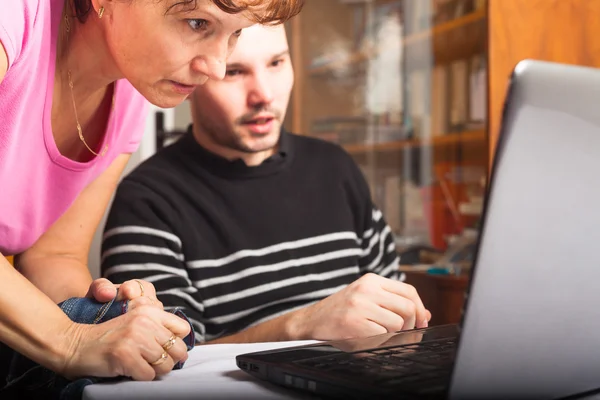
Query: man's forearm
{"type": "Point", "coordinates": [59, 277]}
{"type": "Point", "coordinates": [282, 328]}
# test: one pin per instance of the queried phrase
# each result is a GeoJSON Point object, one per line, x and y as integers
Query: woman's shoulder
{"type": "Point", "coordinates": [22, 22]}
{"type": "Point", "coordinates": [23, 12]}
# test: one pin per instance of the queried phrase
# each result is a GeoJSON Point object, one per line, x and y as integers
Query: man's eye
{"type": "Point", "coordinates": [276, 63]}
{"type": "Point", "coordinates": [197, 24]}
{"type": "Point", "coordinates": [233, 72]}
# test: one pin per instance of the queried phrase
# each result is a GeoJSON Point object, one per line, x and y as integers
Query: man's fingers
{"type": "Point", "coordinates": [428, 315]}
{"type": "Point", "coordinates": [403, 307]}
{"type": "Point", "coordinates": [424, 323]}
{"type": "Point", "coordinates": [390, 320]}
{"type": "Point", "coordinates": [373, 328]}
{"type": "Point", "coordinates": [402, 289]}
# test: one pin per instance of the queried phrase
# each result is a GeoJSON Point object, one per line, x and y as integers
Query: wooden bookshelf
{"type": "Point", "coordinates": [460, 25]}
{"type": "Point", "coordinates": [488, 41]}
{"type": "Point", "coordinates": [452, 139]}
{"type": "Point", "coordinates": [451, 40]}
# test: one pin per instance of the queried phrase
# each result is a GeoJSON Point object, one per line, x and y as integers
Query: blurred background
{"type": "Point", "coordinates": [413, 90]}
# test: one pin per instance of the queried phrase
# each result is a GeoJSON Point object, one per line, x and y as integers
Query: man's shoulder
{"type": "Point", "coordinates": [158, 169]}
{"type": "Point", "coordinates": [329, 151]}
{"type": "Point", "coordinates": [319, 155]}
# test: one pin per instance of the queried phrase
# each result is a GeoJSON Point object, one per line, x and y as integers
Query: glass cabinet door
{"type": "Point", "coordinates": [401, 85]}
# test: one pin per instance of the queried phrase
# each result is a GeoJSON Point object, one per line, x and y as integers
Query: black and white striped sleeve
{"type": "Point", "coordinates": [375, 236]}
{"type": "Point", "coordinates": [379, 253]}
{"type": "Point", "coordinates": [140, 242]}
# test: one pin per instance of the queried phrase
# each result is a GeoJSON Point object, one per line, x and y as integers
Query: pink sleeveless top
{"type": "Point", "coordinates": [38, 184]}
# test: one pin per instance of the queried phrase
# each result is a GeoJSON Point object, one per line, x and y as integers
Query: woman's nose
{"type": "Point", "coordinates": [212, 61]}
{"type": "Point", "coordinates": [211, 67]}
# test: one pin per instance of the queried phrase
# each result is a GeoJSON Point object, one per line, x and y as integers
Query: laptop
{"type": "Point", "coordinates": [530, 328]}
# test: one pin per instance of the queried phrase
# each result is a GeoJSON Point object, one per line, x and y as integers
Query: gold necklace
{"type": "Point", "coordinates": [79, 130]}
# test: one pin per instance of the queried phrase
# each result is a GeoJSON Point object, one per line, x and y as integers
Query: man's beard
{"type": "Point", "coordinates": [234, 140]}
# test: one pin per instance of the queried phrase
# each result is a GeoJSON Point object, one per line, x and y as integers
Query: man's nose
{"type": "Point", "coordinates": [261, 91]}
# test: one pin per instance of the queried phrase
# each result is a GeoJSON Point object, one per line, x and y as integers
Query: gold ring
{"type": "Point", "coordinates": [169, 343]}
{"type": "Point", "coordinates": [161, 360]}
{"type": "Point", "coordinates": [141, 286]}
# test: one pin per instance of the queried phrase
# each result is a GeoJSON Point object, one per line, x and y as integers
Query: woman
{"type": "Point", "coordinates": [73, 78]}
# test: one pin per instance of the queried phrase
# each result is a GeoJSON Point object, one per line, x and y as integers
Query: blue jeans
{"type": "Point", "coordinates": [21, 378]}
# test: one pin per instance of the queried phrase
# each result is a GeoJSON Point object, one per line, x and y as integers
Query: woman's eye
{"type": "Point", "coordinates": [197, 24]}
{"type": "Point", "coordinates": [237, 33]}
{"type": "Point", "coordinates": [233, 72]}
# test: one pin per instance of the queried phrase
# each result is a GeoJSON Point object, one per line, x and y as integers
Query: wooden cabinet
{"type": "Point", "coordinates": [565, 31]}
{"type": "Point", "coordinates": [442, 295]}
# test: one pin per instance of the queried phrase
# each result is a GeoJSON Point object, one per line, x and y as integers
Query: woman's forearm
{"type": "Point", "coordinates": [30, 322]}
{"type": "Point", "coordinates": [58, 277]}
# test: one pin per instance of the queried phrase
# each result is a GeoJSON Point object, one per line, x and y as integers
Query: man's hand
{"type": "Point", "coordinates": [104, 291]}
{"type": "Point", "coordinates": [385, 340]}
{"type": "Point", "coordinates": [369, 306]}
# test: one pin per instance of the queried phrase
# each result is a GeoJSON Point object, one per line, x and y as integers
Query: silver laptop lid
{"type": "Point", "coordinates": [532, 322]}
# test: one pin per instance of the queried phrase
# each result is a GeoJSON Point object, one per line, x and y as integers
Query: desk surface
{"type": "Point", "coordinates": [209, 373]}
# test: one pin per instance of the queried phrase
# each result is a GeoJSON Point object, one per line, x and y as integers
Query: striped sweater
{"type": "Point", "coordinates": [236, 245]}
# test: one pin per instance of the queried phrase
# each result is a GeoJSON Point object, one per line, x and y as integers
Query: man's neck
{"type": "Point", "coordinates": [250, 159]}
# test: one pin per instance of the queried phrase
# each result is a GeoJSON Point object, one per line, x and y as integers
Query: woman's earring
{"type": "Point", "coordinates": [100, 12]}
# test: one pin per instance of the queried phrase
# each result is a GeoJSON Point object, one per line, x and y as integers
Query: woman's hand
{"type": "Point", "coordinates": [143, 343]}
{"type": "Point", "coordinates": [104, 290]}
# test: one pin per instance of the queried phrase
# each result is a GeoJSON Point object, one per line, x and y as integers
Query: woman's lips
{"type": "Point", "coordinates": [181, 88]}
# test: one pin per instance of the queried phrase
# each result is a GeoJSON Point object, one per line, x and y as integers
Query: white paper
{"type": "Point", "coordinates": [209, 373]}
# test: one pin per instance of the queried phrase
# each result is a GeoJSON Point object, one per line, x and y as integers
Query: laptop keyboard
{"type": "Point", "coordinates": [419, 368]}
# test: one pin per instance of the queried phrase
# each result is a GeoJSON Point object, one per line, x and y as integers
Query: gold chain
{"type": "Point", "coordinates": [79, 130]}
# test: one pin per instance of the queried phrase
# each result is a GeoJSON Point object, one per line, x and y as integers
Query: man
{"type": "Point", "coordinates": [259, 234]}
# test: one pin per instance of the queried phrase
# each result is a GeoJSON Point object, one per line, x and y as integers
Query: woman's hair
{"type": "Point", "coordinates": [261, 11]}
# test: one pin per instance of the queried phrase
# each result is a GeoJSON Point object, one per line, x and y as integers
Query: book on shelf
{"type": "Point", "coordinates": [392, 201]}
{"type": "Point", "coordinates": [477, 89]}
{"type": "Point", "coordinates": [459, 86]}
{"type": "Point", "coordinates": [439, 101]}
{"type": "Point", "coordinates": [418, 101]}
{"type": "Point", "coordinates": [458, 96]}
